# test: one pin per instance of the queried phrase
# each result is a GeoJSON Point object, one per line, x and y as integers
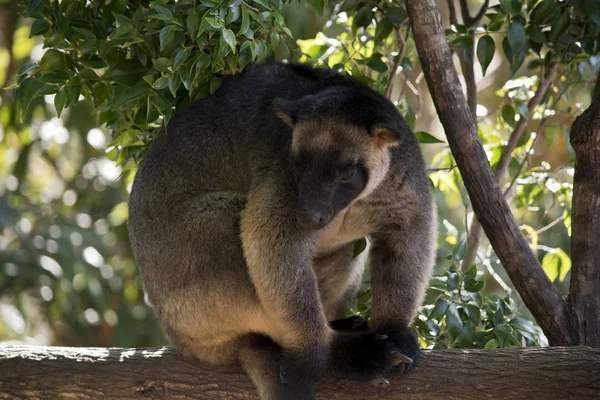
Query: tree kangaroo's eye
{"type": "Point", "coordinates": [348, 175]}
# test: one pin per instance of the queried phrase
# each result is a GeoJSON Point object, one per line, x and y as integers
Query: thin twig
{"type": "Point", "coordinates": [494, 274]}
{"type": "Point", "coordinates": [401, 52]}
{"type": "Point", "coordinates": [545, 228]}
{"type": "Point", "coordinates": [467, 19]}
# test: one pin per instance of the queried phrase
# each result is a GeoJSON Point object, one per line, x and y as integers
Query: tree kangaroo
{"type": "Point", "coordinates": [243, 216]}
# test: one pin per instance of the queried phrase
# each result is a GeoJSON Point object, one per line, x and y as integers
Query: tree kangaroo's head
{"type": "Point", "coordinates": [340, 151]}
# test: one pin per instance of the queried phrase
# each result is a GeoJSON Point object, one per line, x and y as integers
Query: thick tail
{"type": "Point", "coordinates": [261, 358]}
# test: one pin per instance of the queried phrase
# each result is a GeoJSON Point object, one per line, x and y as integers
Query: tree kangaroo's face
{"type": "Point", "coordinates": [335, 162]}
{"type": "Point", "coordinates": [330, 174]}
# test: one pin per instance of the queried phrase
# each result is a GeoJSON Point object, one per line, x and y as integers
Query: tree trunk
{"type": "Point", "coordinates": [33, 372]}
{"type": "Point", "coordinates": [584, 297]}
{"type": "Point", "coordinates": [539, 294]}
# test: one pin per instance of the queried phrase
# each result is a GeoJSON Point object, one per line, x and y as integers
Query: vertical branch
{"type": "Point", "coordinates": [584, 293]}
{"type": "Point", "coordinates": [513, 250]}
{"type": "Point", "coordinates": [501, 170]}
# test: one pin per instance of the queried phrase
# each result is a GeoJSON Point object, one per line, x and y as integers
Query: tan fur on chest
{"type": "Point", "coordinates": [348, 225]}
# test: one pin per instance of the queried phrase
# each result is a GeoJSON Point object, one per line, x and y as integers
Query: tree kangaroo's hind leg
{"type": "Point", "coordinates": [216, 315]}
{"type": "Point", "coordinates": [261, 359]}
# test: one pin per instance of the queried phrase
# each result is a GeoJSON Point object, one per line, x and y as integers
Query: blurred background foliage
{"type": "Point", "coordinates": [87, 85]}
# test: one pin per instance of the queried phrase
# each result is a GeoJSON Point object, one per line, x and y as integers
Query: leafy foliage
{"type": "Point", "coordinates": [461, 315]}
{"type": "Point", "coordinates": [138, 61]}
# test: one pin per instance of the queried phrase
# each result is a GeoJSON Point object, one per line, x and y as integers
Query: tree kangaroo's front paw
{"type": "Point", "coordinates": [405, 340]}
{"type": "Point", "coordinates": [363, 355]}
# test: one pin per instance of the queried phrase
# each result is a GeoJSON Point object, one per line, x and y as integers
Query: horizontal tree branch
{"type": "Point", "coordinates": [36, 372]}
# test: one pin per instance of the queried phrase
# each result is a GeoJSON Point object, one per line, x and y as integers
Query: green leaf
{"type": "Point", "coordinates": [161, 83]}
{"type": "Point", "coordinates": [215, 83]}
{"type": "Point", "coordinates": [275, 39]}
{"type": "Point", "coordinates": [556, 264]}
{"type": "Point", "coordinates": [163, 11]}
{"type": "Point", "coordinates": [362, 18]}
{"type": "Point", "coordinates": [473, 313]}
{"type": "Point", "coordinates": [161, 64]}
{"type": "Point", "coordinates": [473, 284]}
{"type": "Point", "coordinates": [516, 36]}
{"type": "Point", "coordinates": [471, 271]}
{"type": "Point", "coordinates": [376, 64]}
{"type": "Point", "coordinates": [121, 19]}
{"type": "Point", "coordinates": [28, 89]}
{"type": "Point", "coordinates": [514, 46]}
{"type": "Point", "coordinates": [559, 26]}
{"type": "Point", "coordinates": [35, 8]}
{"type": "Point", "coordinates": [453, 322]}
{"type": "Point", "coordinates": [229, 37]}
{"type": "Point", "coordinates": [441, 305]}
{"type": "Point", "coordinates": [192, 23]}
{"type": "Point", "coordinates": [127, 138]}
{"type": "Point", "coordinates": [396, 15]}
{"type": "Point", "coordinates": [174, 83]}
{"type": "Point", "coordinates": [214, 23]}
{"type": "Point", "coordinates": [544, 12]}
{"type": "Point", "coordinates": [424, 137]}
{"type": "Point", "coordinates": [511, 6]}
{"type": "Point", "coordinates": [535, 34]}
{"type": "Point", "coordinates": [508, 115]}
{"type": "Point", "coordinates": [503, 333]}
{"type": "Point", "coordinates": [245, 25]}
{"type": "Point", "coordinates": [181, 57]}
{"type": "Point", "coordinates": [126, 72]}
{"type": "Point", "coordinates": [39, 27]}
{"type": "Point", "coordinates": [491, 344]}
{"type": "Point", "coordinates": [452, 282]}
{"type": "Point", "coordinates": [129, 94]}
{"type": "Point", "coordinates": [59, 101]}
{"type": "Point", "coordinates": [167, 34]}
{"type": "Point", "coordinates": [485, 52]}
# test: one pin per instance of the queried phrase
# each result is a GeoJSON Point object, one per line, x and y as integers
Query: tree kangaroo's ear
{"type": "Point", "coordinates": [290, 111]}
{"type": "Point", "coordinates": [384, 134]}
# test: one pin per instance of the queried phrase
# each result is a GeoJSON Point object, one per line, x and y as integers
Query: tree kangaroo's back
{"type": "Point", "coordinates": [243, 218]}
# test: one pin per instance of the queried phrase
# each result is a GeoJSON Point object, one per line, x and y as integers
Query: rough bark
{"type": "Point", "coordinates": [33, 372]}
{"type": "Point", "coordinates": [584, 297]}
{"type": "Point", "coordinates": [539, 294]}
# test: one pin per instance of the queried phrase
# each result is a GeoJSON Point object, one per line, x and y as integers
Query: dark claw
{"type": "Point", "coordinates": [402, 368]}
{"type": "Point", "coordinates": [401, 358]}
{"type": "Point", "coordinates": [383, 379]}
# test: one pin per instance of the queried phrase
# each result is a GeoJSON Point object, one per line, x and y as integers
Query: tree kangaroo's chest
{"type": "Point", "coordinates": [350, 224]}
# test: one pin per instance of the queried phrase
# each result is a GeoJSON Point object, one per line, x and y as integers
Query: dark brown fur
{"type": "Point", "coordinates": [231, 273]}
